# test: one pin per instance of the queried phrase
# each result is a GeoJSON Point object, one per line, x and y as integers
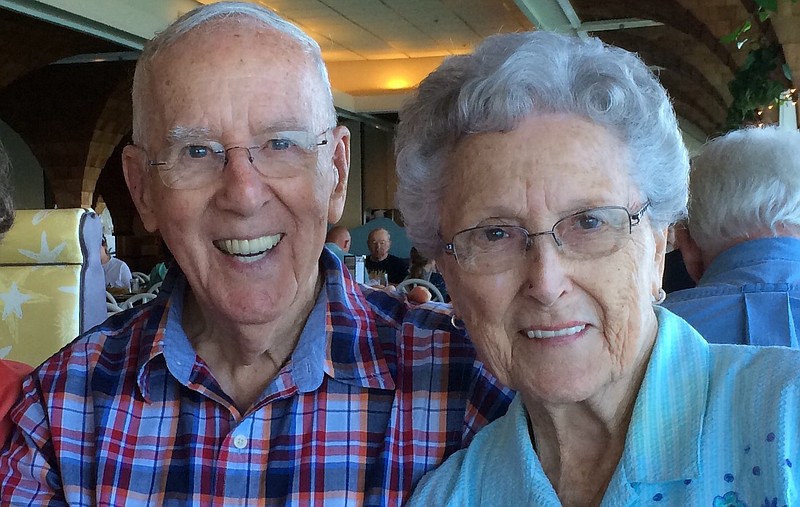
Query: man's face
{"type": "Point", "coordinates": [379, 244]}
{"type": "Point", "coordinates": [248, 243]}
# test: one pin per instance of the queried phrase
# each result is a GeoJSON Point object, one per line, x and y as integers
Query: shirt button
{"type": "Point", "coordinates": [240, 441]}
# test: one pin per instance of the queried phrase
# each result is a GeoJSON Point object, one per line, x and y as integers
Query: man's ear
{"type": "Point", "coordinates": [692, 256]}
{"type": "Point", "coordinates": [341, 166]}
{"type": "Point", "coordinates": [140, 185]}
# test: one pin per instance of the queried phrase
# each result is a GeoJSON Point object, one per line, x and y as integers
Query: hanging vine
{"type": "Point", "coordinates": [758, 83]}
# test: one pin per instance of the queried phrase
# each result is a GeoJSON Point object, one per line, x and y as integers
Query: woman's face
{"type": "Point", "coordinates": [596, 314]}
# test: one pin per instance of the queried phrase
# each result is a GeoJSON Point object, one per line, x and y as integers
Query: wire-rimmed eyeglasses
{"type": "Point", "coordinates": [280, 154]}
{"type": "Point", "coordinates": [591, 233]}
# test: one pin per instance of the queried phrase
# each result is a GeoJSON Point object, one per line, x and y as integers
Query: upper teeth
{"type": "Point", "coordinates": [541, 333]}
{"type": "Point", "coordinates": [248, 246]}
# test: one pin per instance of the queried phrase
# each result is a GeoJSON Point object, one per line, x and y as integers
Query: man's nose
{"type": "Point", "coordinates": [244, 188]}
{"type": "Point", "coordinates": [228, 151]}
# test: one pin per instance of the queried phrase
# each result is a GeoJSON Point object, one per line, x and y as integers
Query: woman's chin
{"type": "Point", "coordinates": [557, 389]}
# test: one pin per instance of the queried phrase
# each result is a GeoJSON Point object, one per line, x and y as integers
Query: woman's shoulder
{"type": "Point", "coordinates": [481, 474]}
{"type": "Point", "coordinates": [754, 368]}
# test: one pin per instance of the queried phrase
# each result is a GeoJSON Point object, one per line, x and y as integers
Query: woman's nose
{"type": "Point", "coordinates": [546, 273]}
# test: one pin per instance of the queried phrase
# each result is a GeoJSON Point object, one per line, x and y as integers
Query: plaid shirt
{"type": "Point", "coordinates": [376, 393]}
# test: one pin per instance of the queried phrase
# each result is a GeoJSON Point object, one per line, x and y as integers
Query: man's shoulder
{"type": "Point", "coordinates": [421, 337]}
{"type": "Point", "coordinates": [701, 301]}
{"type": "Point", "coordinates": [114, 347]}
{"type": "Point", "coordinates": [392, 309]}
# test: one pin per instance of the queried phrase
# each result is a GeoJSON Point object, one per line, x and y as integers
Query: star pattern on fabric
{"type": "Point", "coordinates": [45, 255]}
{"type": "Point", "coordinates": [13, 300]}
{"type": "Point", "coordinates": [41, 215]}
{"type": "Point", "coordinates": [70, 289]}
{"type": "Point", "coordinates": [25, 283]}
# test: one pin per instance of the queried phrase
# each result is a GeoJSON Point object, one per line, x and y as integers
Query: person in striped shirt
{"type": "Point", "coordinates": [262, 374]}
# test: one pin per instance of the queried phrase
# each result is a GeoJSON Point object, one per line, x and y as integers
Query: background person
{"type": "Point", "coordinates": [380, 260]}
{"type": "Point", "coordinates": [742, 241]}
{"type": "Point", "coordinates": [118, 274]}
{"type": "Point", "coordinates": [338, 241]}
{"type": "Point", "coordinates": [557, 166]}
{"type": "Point", "coordinates": [11, 372]}
{"type": "Point", "coordinates": [159, 271]}
{"type": "Point", "coordinates": [247, 381]}
{"type": "Point", "coordinates": [424, 268]}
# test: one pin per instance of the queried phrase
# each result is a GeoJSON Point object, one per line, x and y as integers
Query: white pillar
{"type": "Point", "coordinates": [787, 113]}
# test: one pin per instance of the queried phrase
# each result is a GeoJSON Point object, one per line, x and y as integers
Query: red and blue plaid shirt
{"type": "Point", "coordinates": [376, 393]}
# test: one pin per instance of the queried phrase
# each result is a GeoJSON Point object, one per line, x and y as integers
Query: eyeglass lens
{"type": "Point", "coordinates": [277, 154]}
{"type": "Point", "coordinates": [496, 248]}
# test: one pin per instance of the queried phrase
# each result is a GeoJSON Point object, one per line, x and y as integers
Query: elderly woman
{"type": "Point", "coordinates": [557, 166]}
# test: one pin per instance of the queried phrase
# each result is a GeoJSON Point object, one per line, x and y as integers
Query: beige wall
{"type": "Point", "coordinates": [380, 181]}
{"type": "Point", "coordinates": [352, 208]}
{"type": "Point", "coordinates": [27, 176]}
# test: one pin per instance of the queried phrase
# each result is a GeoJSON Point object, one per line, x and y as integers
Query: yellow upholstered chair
{"type": "Point", "coordinates": [52, 286]}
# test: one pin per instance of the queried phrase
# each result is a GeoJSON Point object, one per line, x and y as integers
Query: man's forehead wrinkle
{"type": "Point", "coordinates": [290, 61]}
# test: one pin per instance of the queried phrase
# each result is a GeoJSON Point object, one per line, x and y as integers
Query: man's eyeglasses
{"type": "Point", "coordinates": [276, 154]}
{"type": "Point", "coordinates": [596, 232]}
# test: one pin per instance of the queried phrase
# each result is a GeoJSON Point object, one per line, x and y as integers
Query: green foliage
{"type": "Point", "coordinates": [756, 84]}
{"type": "Point", "coordinates": [767, 5]}
{"type": "Point", "coordinates": [764, 9]}
{"type": "Point", "coordinates": [754, 87]}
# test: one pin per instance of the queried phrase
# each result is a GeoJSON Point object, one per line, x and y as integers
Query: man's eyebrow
{"type": "Point", "coordinates": [181, 134]}
{"type": "Point", "coordinates": [286, 125]}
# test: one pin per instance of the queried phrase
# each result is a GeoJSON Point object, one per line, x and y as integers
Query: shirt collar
{"type": "Point", "coordinates": [667, 421]}
{"type": "Point", "coordinates": [340, 337]}
{"type": "Point", "coordinates": [164, 319]}
{"type": "Point", "coordinates": [749, 253]}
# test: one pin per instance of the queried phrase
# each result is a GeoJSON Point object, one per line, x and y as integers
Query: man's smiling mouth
{"type": "Point", "coordinates": [248, 250]}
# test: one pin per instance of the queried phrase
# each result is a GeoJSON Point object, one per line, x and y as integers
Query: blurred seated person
{"type": "Point", "coordinates": [11, 372]}
{"type": "Point", "coordinates": [159, 271]}
{"type": "Point", "coordinates": [742, 239]}
{"type": "Point", "coordinates": [380, 260]}
{"type": "Point", "coordinates": [338, 241]}
{"type": "Point", "coordinates": [118, 274]}
{"type": "Point", "coordinates": [424, 268]}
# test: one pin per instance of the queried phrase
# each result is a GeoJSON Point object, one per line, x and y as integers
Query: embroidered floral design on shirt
{"type": "Point", "coordinates": [729, 499]}
{"type": "Point", "coordinates": [771, 503]}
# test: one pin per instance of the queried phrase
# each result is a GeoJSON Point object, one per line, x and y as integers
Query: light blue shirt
{"type": "Point", "coordinates": [750, 294]}
{"type": "Point", "coordinates": [713, 425]}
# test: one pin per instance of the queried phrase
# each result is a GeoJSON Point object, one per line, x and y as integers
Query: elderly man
{"type": "Point", "coordinates": [742, 243]}
{"type": "Point", "coordinates": [380, 260]}
{"type": "Point", "coordinates": [338, 241]}
{"type": "Point", "coordinates": [262, 374]}
{"type": "Point", "coordinates": [11, 372]}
